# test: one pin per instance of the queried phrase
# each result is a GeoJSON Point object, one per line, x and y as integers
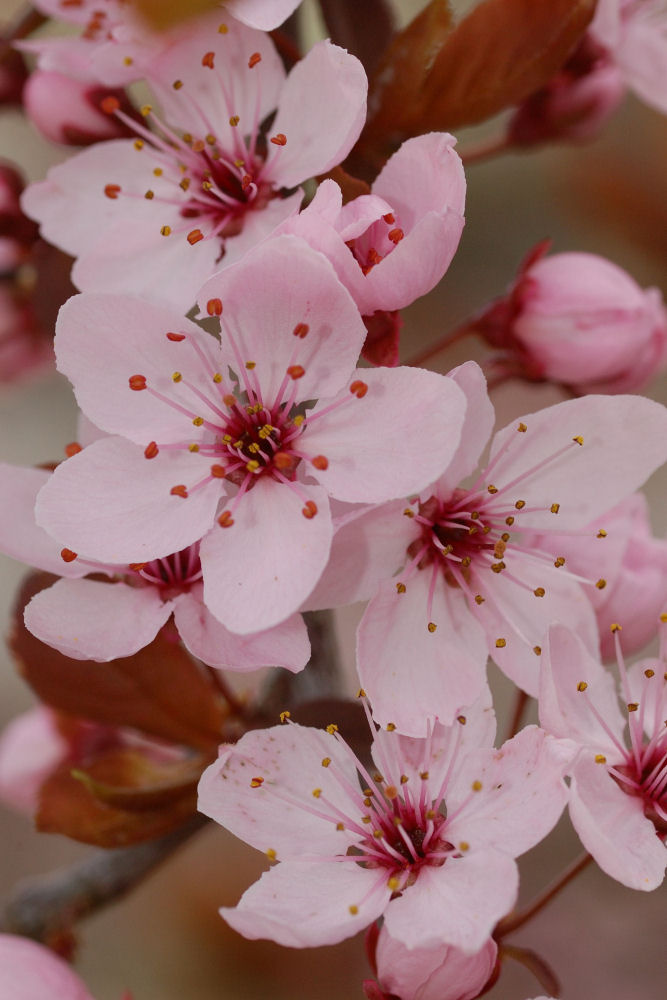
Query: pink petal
{"type": "Point", "coordinates": [130, 338]}
{"type": "Point", "coordinates": [110, 503]}
{"type": "Point", "coordinates": [286, 645]}
{"type": "Point", "coordinates": [457, 904]}
{"type": "Point", "coordinates": [259, 14]}
{"type": "Point", "coordinates": [625, 440]}
{"type": "Point", "coordinates": [28, 971]}
{"type": "Point", "coordinates": [613, 828]}
{"type": "Point", "coordinates": [281, 814]}
{"type": "Point", "coordinates": [393, 441]}
{"type": "Point", "coordinates": [259, 571]}
{"type": "Point", "coordinates": [439, 973]}
{"type": "Point", "coordinates": [281, 284]}
{"type": "Point", "coordinates": [567, 712]}
{"type": "Point", "coordinates": [477, 426]}
{"type": "Point", "coordinates": [305, 905]}
{"type": "Point", "coordinates": [91, 620]}
{"type": "Point", "coordinates": [411, 674]}
{"type": "Point", "coordinates": [31, 747]}
{"type": "Point", "coordinates": [20, 537]}
{"type": "Point", "coordinates": [321, 112]}
{"type": "Point", "coordinates": [522, 793]}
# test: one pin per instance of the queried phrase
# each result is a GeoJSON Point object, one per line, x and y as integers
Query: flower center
{"type": "Point", "coordinates": [173, 574]}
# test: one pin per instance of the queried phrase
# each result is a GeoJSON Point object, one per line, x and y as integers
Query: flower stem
{"type": "Point", "coordinates": [464, 330]}
{"type": "Point", "coordinates": [485, 150]}
{"type": "Point", "coordinates": [513, 921]}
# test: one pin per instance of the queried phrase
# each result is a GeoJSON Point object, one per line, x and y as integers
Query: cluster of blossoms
{"type": "Point", "coordinates": [238, 469]}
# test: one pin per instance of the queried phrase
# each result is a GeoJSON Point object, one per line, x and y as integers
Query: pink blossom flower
{"type": "Point", "coordinates": [577, 318]}
{"type": "Point", "coordinates": [243, 462]}
{"type": "Point", "coordinates": [618, 791]}
{"type": "Point", "coordinates": [206, 183]}
{"type": "Point", "coordinates": [28, 971]}
{"type": "Point", "coordinates": [428, 840]}
{"type": "Point", "coordinates": [443, 973]}
{"type": "Point", "coordinates": [68, 110]}
{"type": "Point", "coordinates": [481, 567]}
{"type": "Point", "coordinates": [635, 33]}
{"type": "Point", "coordinates": [90, 619]}
{"type": "Point", "coordinates": [393, 245]}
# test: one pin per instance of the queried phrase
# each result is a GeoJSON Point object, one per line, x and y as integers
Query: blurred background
{"type": "Point", "coordinates": [166, 941]}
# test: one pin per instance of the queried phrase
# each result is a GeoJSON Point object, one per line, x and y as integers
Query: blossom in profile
{"type": "Point", "coordinates": [237, 444]}
{"type": "Point", "coordinates": [425, 837]}
{"type": "Point", "coordinates": [204, 180]}
{"type": "Point", "coordinates": [618, 803]}
{"type": "Point", "coordinates": [466, 572]}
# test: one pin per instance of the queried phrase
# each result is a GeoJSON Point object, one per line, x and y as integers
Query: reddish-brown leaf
{"type": "Point", "coordinates": [351, 187]}
{"type": "Point", "coordinates": [160, 690]}
{"type": "Point", "coordinates": [502, 52]}
{"type": "Point", "coordinates": [131, 779]}
{"type": "Point", "coordinates": [66, 806]}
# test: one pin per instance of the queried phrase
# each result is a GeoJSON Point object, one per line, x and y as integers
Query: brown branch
{"type": "Point", "coordinates": [46, 908]}
{"type": "Point", "coordinates": [513, 921]}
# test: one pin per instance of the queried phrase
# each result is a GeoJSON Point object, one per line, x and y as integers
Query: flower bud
{"type": "Point", "coordinates": [68, 111]}
{"type": "Point", "coordinates": [437, 973]}
{"type": "Point", "coordinates": [578, 319]}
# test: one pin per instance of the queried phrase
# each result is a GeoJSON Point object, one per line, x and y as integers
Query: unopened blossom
{"type": "Point", "coordinates": [441, 973]}
{"type": "Point", "coordinates": [578, 319]}
{"type": "Point", "coordinates": [426, 837]}
{"type": "Point", "coordinates": [68, 111]}
{"type": "Point", "coordinates": [203, 181]}
{"type": "Point", "coordinates": [95, 620]}
{"type": "Point", "coordinates": [222, 444]}
{"type": "Point", "coordinates": [635, 34]}
{"type": "Point", "coordinates": [29, 971]}
{"type": "Point", "coordinates": [31, 748]}
{"type": "Point", "coordinates": [465, 572]}
{"type": "Point", "coordinates": [618, 788]}
{"type": "Point", "coordinates": [395, 244]}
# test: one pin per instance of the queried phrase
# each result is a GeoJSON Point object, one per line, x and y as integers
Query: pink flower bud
{"type": "Point", "coordinates": [574, 104]}
{"type": "Point", "coordinates": [578, 319]}
{"type": "Point", "coordinates": [31, 747]}
{"type": "Point", "coordinates": [440, 973]}
{"type": "Point", "coordinates": [68, 111]}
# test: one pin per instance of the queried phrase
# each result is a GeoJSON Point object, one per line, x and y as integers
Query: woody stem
{"type": "Point", "coordinates": [513, 921]}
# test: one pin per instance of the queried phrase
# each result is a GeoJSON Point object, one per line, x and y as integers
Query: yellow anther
{"type": "Point", "coordinates": [633, 706]}
{"type": "Point", "coordinates": [431, 627]}
{"type": "Point", "coordinates": [210, 139]}
{"type": "Point", "coordinates": [498, 567]}
{"type": "Point", "coordinates": [600, 758]}
{"type": "Point", "coordinates": [509, 521]}
{"type": "Point", "coordinates": [522, 428]}
{"type": "Point", "coordinates": [505, 536]}
{"type": "Point", "coordinates": [408, 512]}
{"type": "Point", "coordinates": [601, 533]}
{"type": "Point", "coordinates": [501, 643]}
{"type": "Point", "coordinates": [149, 195]}
{"type": "Point", "coordinates": [424, 775]}
{"type": "Point", "coordinates": [298, 420]}
{"type": "Point", "coordinates": [217, 377]}
{"type": "Point", "coordinates": [326, 761]}
{"type": "Point", "coordinates": [223, 29]}
{"type": "Point", "coordinates": [332, 728]}
{"type": "Point", "coordinates": [138, 143]}
{"type": "Point", "coordinates": [234, 120]}
{"type": "Point", "coordinates": [601, 584]}
{"type": "Point", "coordinates": [539, 591]}
{"type": "Point", "coordinates": [461, 719]}
{"type": "Point", "coordinates": [176, 377]}
{"type": "Point", "coordinates": [198, 421]}
{"type": "Point", "coordinates": [252, 465]}
{"type": "Point", "coordinates": [361, 693]}
{"type": "Point", "coordinates": [366, 820]}
{"type": "Point", "coordinates": [256, 782]}
{"type": "Point", "coordinates": [317, 792]}
{"type": "Point", "coordinates": [177, 84]}
{"type": "Point", "coordinates": [193, 447]}
{"type": "Point", "coordinates": [663, 616]}
{"type": "Point", "coordinates": [466, 561]}
{"type": "Point", "coordinates": [560, 561]}
{"type": "Point", "coordinates": [158, 171]}
{"type": "Point", "coordinates": [520, 504]}
{"type": "Point", "coordinates": [353, 910]}
{"type": "Point", "coordinates": [250, 365]}
{"type": "Point", "coordinates": [579, 440]}
{"type": "Point", "coordinates": [555, 507]}
{"type": "Point", "coordinates": [492, 489]}
{"type": "Point", "coordinates": [271, 854]}
{"type": "Point", "coordinates": [464, 846]}
{"type": "Point", "coordinates": [165, 231]}
{"type": "Point", "coordinates": [393, 883]}
{"type": "Point", "coordinates": [146, 110]}
{"type": "Point", "coordinates": [400, 588]}
{"type": "Point", "coordinates": [475, 515]}
{"type": "Point", "coordinates": [127, 60]}
{"type": "Point", "coordinates": [404, 779]}
{"type": "Point", "coordinates": [340, 826]}
{"type": "Point", "coordinates": [479, 599]}
{"type": "Point", "coordinates": [537, 650]}
{"type": "Point", "coordinates": [284, 716]}
{"type": "Point", "coordinates": [378, 779]}
{"type": "Point", "coordinates": [184, 183]}
{"type": "Point", "coordinates": [476, 786]}
{"type": "Point", "coordinates": [582, 685]}
{"type": "Point", "coordinates": [391, 727]}
{"type": "Point", "coordinates": [391, 791]}
{"type": "Point", "coordinates": [649, 673]}
{"type": "Point", "coordinates": [616, 627]}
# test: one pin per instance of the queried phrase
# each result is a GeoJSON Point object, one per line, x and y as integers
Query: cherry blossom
{"type": "Point", "coordinates": [202, 185]}
{"type": "Point", "coordinates": [69, 111]}
{"type": "Point", "coordinates": [618, 799]}
{"type": "Point", "coordinates": [28, 971]}
{"type": "Point", "coordinates": [230, 459]}
{"type": "Point", "coordinates": [97, 620]}
{"type": "Point", "coordinates": [31, 748]}
{"type": "Point", "coordinates": [481, 571]}
{"type": "Point", "coordinates": [635, 33]}
{"type": "Point", "coordinates": [428, 840]}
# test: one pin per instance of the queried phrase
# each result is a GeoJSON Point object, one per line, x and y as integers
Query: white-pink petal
{"type": "Point", "coordinates": [28, 971]}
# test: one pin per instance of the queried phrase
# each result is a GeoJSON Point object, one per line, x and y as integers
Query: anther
{"type": "Point", "coordinates": [279, 140]}
{"type": "Point", "coordinates": [208, 59]}
{"type": "Point", "coordinates": [649, 673]}
{"type": "Point", "coordinates": [67, 555]}
{"type": "Point", "coordinates": [520, 504]}
{"type": "Point", "coordinates": [271, 854]}
{"type": "Point", "coordinates": [73, 448]}
{"type": "Point", "coordinates": [165, 231]}
{"type": "Point", "coordinates": [176, 338]}
{"type": "Point", "coordinates": [149, 195]}
{"type": "Point", "coordinates": [138, 144]}
{"type": "Point", "coordinates": [391, 727]}
{"type": "Point", "coordinates": [389, 218]}
{"type": "Point", "coordinates": [464, 846]}
{"type": "Point", "coordinates": [400, 588]}
{"type": "Point", "coordinates": [522, 428]}
{"type": "Point", "coordinates": [137, 382]}
{"type": "Point", "coordinates": [136, 567]}
{"type": "Point", "coordinates": [301, 330]}
{"type": "Point", "coordinates": [539, 591]}
{"type": "Point", "coordinates": [479, 599]}
{"type": "Point", "coordinates": [145, 110]}
{"type": "Point", "coordinates": [309, 509]}
{"type": "Point", "coordinates": [601, 533]}
{"type": "Point", "coordinates": [560, 561]}
{"type": "Point", "coordinates": [616, 627]}
{"type": "Point", "coordinates": [537, 650]}
{"type": "Point", "coordinates": [225, 520]}
{"type": "Point", "coordinates": [256, 782]}
{"type": "Point", "coordinates": [214, 307]}
{"type": "Point", "coordinates": [581, 686]}
{"type": "Point", "coordinates": [326, 761]}
{"type": "Point", "coordinates": [254, 59]}
{"type": "Point", "coordinates": [151, 450]}
{"type": "Point", "coordinates": [600, 758]}
{"type": "Point", "coordinates": [358, 388]}
{"type": "Point", "coordinates": [109, 105]}
{"type": "Point", "coordinates": [461, 719]}
{"type": "Point", "coordinates": [555, 507]}
{"type": "Point", "coordinates": [476, 786]}
{"type": "Point", "coordinates": [176, 377]}
{"type": "Point", "coordinates": [332, 728]}
{"type": "Point", "coordinates": [184, 184]}
{"type": "Point", "coordinates": [353, 910]}
{"type": "Point", "coordinates": [195, 236]}
{"type": "Point", "coordinates": [252, 465]}
{"type": "Point", "coordinates": [179, 491]}
{"type": "Point", "coordinates": [234, 120]}
{"type": "Point", "coordinates": [321, 462]}
{"type": "Point", "coordinates": [198, 421]}
{"type": "Point", "coordinates": [579, 440]}
{"type": "Point", "coordinates": [218, 471]}
{"type": "Point", "coordinates": [491, 489]}
{"type": "Point", "coordinates": [250, 365]}
{"type": "Point", "coordinates": [601, 584]}
{"type": "Point", "coordinates": [112, 191]}
{"type": "Point", "coordinates": [340, 826]}
{"type": "Point", "coordinates": [431, 627]}
{"type": "Point", "coordinates": [296, 371]}
{"type": "Point", "coordinates": [316, 793]}
{"type": "Point", "coordinates": [158, 171]}
{"type": "Point", "coordinates": [223, 29]}
{"type": "Point", "coordinates": [408, 512]}
{"type": "Point", "coordinates": [393, 883]}
{"type": "Point", "coordinates": [509, 521]}
{"type": "Point", "coordinates": [501, 643]}
{"type": "Point", "coordinates": [177, 84]}
{"type": "Point", "coordinates": [424, 775]}
{"type": "Point", "coordinates": [632, 706]}
{"type": "Point", "coordinates": [395, 235]}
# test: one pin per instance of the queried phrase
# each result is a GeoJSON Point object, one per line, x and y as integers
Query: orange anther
{"type": "Point", "coordinates": [395, 235]}
{"type": "Point", "coordinates": [109, 104]}
{"type": "Point", "coordinates": [179, 491]}
{"type": "Point", "coordinates": [389, 218]}
{"type": "Point", "coordinates": [151, 450]}
{"type": "Point", "coordinates": [254, 59]}
{"type": "Point", "coordinates": [279, 140]}
{"type": "Point", "coordinates": [67, 555]}
{"type": "Point", "coordinates": [137, 382]}
{"type": "Point", "coordinates": [136, 567]}
{"type": "Point", "coordinates": [176, 337]}
{"type": "Point", "coordinates": [218, 471]}
{"type": "Point", "coordinates": [309, 509]}
{"type": "Point", "coordinates": [358, 388]}
{"type": "Point", "coordinates": [214, 307]}
{"type": "Point", "coordinates": [225, 520]}
{"type": "Point", "coordinates": [296, 371]}
{"type": "Point", "coordinates": [321, 462]}
{"type": "Point", "coordinates": [112, 191]}
{"type": "Point", "coordinates": [73, 448]}
{"type": "Point", "coordinates": [208, 59]}
{"type": "Point", "coordinates": [256, 782]}
{"type": "Point", "coordinates": [300, 330]}
{"type": "Point", "coordinates": [195, 236]}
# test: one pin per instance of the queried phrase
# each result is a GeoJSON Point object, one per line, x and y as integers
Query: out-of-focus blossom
{"type": "Point", "coordinates": [28, 971]}
{"type": "Point", "coordinates": [69, 111]}
{"type": "Point", "coordinates": [91, 619]}
{"type": "Point", "coordinates": [618, 789]}
{"type": "Point", "coordinates": [427, 840]}
{"type": "Point", "coordinates": [444, 973]}
{"type": "Point", "coordinates": [31, 748]}
{"type": "Point", "coordinates": [208, 182]}
{"type": "Point", "coordinates": [574, 104]}
{"type": "Point", "coordinates": [393, 245]}
{"type": "Point", "coordinates": [480, 569]}
{"type": "Point", "coordinates": [578, 319]}
{"type": "Point", "coordinates": [13, 75]}
{"type": "Point", "coordinates": [635, 34]}
{"type": "Point", "coordinates": [223, 442]}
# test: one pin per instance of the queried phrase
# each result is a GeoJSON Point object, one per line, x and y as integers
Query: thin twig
{"type": "Point", "coordinates": [513, 921]}
{"type": "Point", "coordinates": [464, 330]}
{"type": "Point", "coordinates": [46, 908]}
{"type": "Point", "coordinates": [485, 150]}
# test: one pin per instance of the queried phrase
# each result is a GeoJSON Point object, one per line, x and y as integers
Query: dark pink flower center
{"type": "Point", "coordinates": [173, 574]}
